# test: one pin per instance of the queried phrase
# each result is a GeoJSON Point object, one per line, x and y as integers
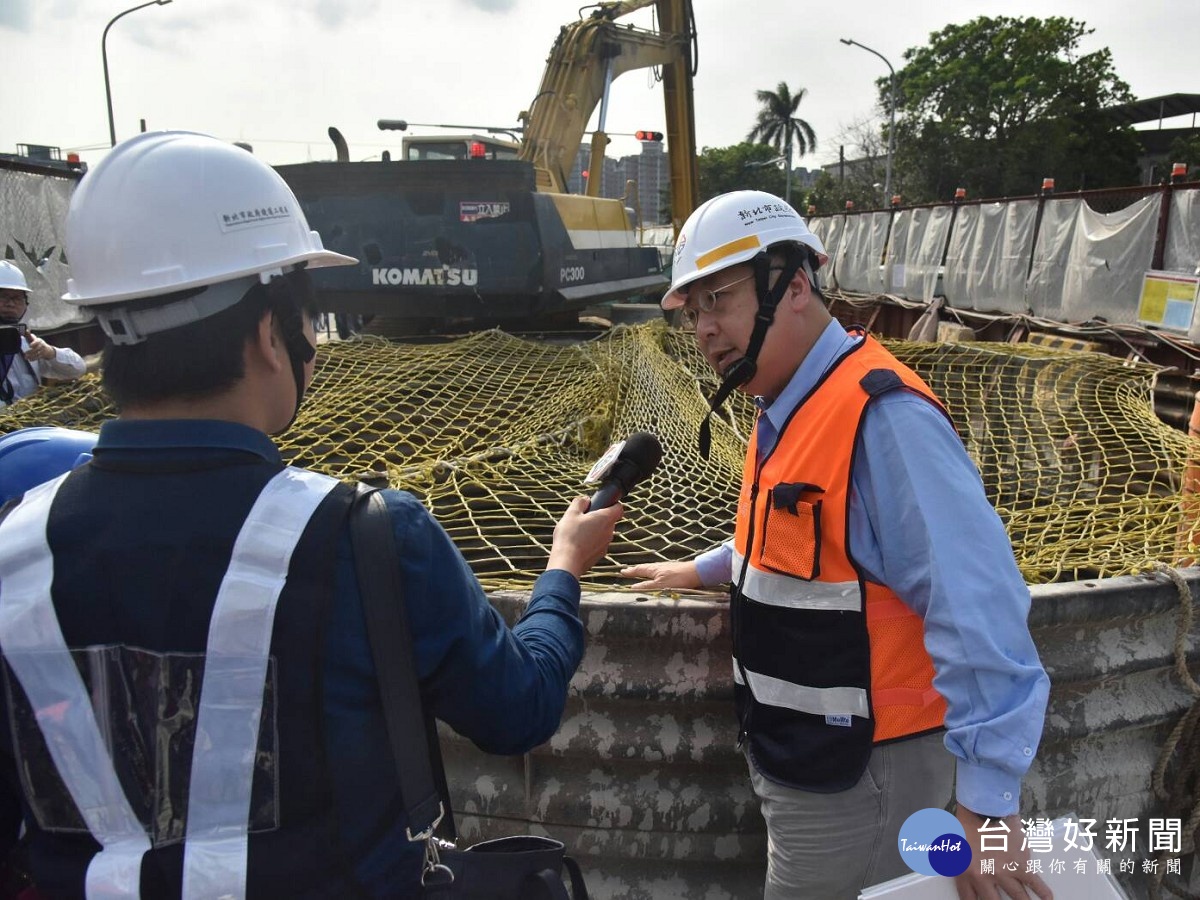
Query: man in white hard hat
{"type": "Point", "coordinates": [878, 615]}
{"type": "Point", "coordinates": [26, 360]}
{"type": "Point", "coordinates": [183, 611]}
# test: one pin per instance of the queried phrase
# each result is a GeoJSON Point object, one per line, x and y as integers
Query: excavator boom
{"type": "Point", "coordinates": [585, 59]}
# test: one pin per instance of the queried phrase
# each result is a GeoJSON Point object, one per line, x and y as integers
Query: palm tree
{"type": "Point", "coordinates": [778, 126]}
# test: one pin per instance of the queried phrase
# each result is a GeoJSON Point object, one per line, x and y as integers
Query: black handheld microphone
{"type": "Point", "coordinates": [624, 465]}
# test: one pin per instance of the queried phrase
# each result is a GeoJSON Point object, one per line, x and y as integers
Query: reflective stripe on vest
{"type": "Point", "coordinates": [214, 853]}
{"type": "Point", "coordinates": [783, 590]}
{"type": "Point", "coordinates": [834, 701]}
{"type": "Point", "coordinates": [215, 849]}
{"type": "Point", "coordinates": [32, 642]}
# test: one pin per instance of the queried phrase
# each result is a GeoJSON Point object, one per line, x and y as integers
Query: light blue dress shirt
{"type": "Point", "coordinates": [920, 523]}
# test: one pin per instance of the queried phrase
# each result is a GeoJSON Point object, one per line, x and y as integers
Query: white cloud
{"type": "Point", "coordinates": [493, 6]}
{"type": "Point", "coordinates": [278, 73]}
{"type": "Point", "coordinates": [335, 13]}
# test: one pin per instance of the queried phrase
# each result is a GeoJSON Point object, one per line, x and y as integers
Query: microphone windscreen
{"type": "Point", "coordinates": [643, 450]}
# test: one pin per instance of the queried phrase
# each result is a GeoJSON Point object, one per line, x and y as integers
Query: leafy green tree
{"type": "Point", "coordinates": [999, 103]}
{"type": "Point", "coordinates": [1185, 150]}
{"type": "Point", "coordinates": [861, 175]}
{"type": "Point", "coordinates": [779, 127]}
{"type": "Point", "coordinates": [829, 194]}
{"type": "Point", "coordinates": [740, 167]}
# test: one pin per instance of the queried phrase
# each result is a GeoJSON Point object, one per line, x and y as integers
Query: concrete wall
{"type": "Point", "coordinates": [643, 783]}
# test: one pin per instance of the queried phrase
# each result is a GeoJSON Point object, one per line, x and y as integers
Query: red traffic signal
{"type": "Point", "coordinates": [648, 135]}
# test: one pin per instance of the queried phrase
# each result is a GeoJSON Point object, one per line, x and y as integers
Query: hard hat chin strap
{"type": "Point", "coordinates": [288, 296]}
{"type": "Point", "coordinates": [768, 299]}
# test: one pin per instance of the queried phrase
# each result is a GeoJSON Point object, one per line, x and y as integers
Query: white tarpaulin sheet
{"type": "Point", "coordinates": [1085, 264]}
{"type": "Point", "coordinates": [1182, 251]}
{"type": "Point", "coordinates": [1109, 254]}
{"type": "Point", "coordinates": [895, 273]}
{"type": "Point", "coordinates": [33, 210]}
{"type": "Point", "coordinates": [1044, 289]}
{"type": "Point", "coordinates": [820, 227]}
{"type": "Point", "coordinates": [860, 253]}
{"type": "Point", "coordinates": [915, 251]}
{"type": "Point", "coordinates": [829, 229]}
{"type": "Point", "coordinates": [988, 258]}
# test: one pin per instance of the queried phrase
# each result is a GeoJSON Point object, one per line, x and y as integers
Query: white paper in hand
{"type": "Point", "coordinates": [1066, 881]}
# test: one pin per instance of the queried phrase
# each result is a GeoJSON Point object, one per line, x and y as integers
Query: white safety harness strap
{"type": "Point", "coordinates": [215, 850]}
{"type": "Point", "coordinates": [33, 644]}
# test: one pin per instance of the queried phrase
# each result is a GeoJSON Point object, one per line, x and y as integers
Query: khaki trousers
{"type": "Point", "coordinates": [831, 846]}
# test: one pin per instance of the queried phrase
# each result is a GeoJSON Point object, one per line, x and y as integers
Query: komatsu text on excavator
{"type": "Point", "coordinates": [482, 231]}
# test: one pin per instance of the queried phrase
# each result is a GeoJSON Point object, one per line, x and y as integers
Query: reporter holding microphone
{"type": "Point", "coordinates": [188, 542]}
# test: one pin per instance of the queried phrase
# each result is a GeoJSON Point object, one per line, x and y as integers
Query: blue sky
{"type": "Point", "coordinates": [278, 73]}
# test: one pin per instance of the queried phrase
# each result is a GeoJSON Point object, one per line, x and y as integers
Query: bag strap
{"type": "Point", "coordinates": [386, 617]}
{"type": "Point", "coordinates": [579, 889]}
{"type": "Point", "coordinates": [548, 886]}
{"type": "Point", "coordinates": [378, 567]}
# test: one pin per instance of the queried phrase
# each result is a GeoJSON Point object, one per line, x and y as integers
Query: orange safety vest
{"type": "Point", "coordinates": [826, 662]}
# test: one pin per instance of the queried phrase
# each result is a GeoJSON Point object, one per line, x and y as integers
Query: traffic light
{"type": "Point", "coordinates": [648, 135]}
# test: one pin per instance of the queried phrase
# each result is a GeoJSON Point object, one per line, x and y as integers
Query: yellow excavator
{"type": "Point", "coordinates": [480, 239]}
{"type": "Point", "coordinates": [588, 55]}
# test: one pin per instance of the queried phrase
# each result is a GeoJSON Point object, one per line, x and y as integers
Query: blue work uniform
{"type": "Point", "coordinates": [141, 538]}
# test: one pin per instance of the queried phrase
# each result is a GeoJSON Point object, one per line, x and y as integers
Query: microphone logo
{"type": "Point", "coordinates": [622, 466]}
{"type": "Point", "coordinates": [605, 463]}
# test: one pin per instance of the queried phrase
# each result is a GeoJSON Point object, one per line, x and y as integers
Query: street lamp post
{"type": "Point", "coordinates": [887, 178]}
{"type": "Point", "coordinates": [787, 170]}
{"type": "Point", "coordinates": [112, 131]}
{"type": "Point", "coordinates": [787, 191]}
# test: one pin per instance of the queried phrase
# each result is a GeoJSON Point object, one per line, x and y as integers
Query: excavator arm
{"type": "Point", "coordinates": [675, 17]}
{"type": "Point", "coordinates": [585, 59]}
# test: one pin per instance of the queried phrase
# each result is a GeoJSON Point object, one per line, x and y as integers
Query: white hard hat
{"type": "Point", "coordinates": [12, 278]}
{"type": "Point", "coordinates": [172, 210]}
{"type": "Point", "coordinates": [730, 229]}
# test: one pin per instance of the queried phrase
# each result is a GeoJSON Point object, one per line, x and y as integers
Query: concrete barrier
{"type": "Point", "coordinates": [643, 782]}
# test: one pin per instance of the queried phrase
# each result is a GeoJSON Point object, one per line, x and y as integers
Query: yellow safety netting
{"type": "Point", "coordinates": [496, 433]}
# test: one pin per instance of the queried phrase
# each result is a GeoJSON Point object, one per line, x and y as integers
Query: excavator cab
{"type": "Point", "coordinates": [475, 231]}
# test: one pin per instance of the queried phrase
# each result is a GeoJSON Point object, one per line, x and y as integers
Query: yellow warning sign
{"type": "Point", "coordinates": [1168, 300]}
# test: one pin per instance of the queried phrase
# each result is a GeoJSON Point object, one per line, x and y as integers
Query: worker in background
{"type": "Point", "coordinates": [205, 588]}
{"type": "Point", "coordinates": [878, 615]}
{"type": "Point", "coordinates": [26, 360]}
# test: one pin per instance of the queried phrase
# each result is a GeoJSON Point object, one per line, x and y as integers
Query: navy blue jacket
{"type": "Point", "coordinates": [160, 493]}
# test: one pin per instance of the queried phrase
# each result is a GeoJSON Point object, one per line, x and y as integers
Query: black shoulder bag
{"type": "Point", "coordinates": [521, 867]}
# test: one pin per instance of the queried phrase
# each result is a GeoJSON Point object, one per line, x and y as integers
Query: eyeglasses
{"type": "Point", "coordinates": [706, 301]}
{"type": "Point", "coordinates": [13, 297]}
